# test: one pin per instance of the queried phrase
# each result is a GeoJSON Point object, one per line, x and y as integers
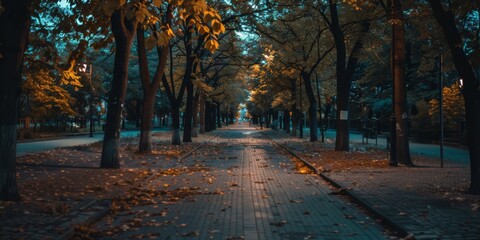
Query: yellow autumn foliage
{"type": "Point", "coordinates": [46, 95]}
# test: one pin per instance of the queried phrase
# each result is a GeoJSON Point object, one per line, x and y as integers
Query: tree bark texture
{"type": "Point", "coordinates": [187, 127]}
{"type": "Point", "coordinates": [219, 116]}
{"type": "Point", "coordinates": [312, 109]}
{"type": "Point", "coordinates": [402, 149]}
{"type": "Point", "coordinates": [150, 89]}
{"type": "Point", "coordinates": [342, 139]}
{"type": "Point", "coordinates": [471, 89]}
{"type": "Point", "coordinates": [293, 110]}
{"type": "Point", "coordinates": [14, 28]}
{"type": "Point", "coordinates": [202, 112]}
{"type": "Point", "coordinates": [176, 124]}
{"type": "Point", "coordinates": [209, 120]}
{"type": "Point", "coordinates": [345, 71]}
{"type": "Point", "coordinates": [123, 30]}
{"type": "Point", "coordinates": [286, 120]}
{"type": "Point", "coordinates": [196, 100]}
{"type": "Point", "coordinates": [174, 100]}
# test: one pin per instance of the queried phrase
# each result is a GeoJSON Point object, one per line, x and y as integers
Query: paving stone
{"type": "Point", "coordinates": [263, 198]}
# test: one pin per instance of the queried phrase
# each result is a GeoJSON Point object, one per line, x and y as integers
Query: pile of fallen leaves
{"type": "Point", "coordinates": [324, 157]}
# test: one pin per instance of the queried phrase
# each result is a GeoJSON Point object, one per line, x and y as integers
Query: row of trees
{"type": "Point", "coordinates": [170, 45]}
{"type": "Point", "coordinates": [186, 49]}
{"type": "Point", "coordinates": [368, 51]}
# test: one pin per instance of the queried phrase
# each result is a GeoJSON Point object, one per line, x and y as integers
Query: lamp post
{"type": "Point", "coordinates": [86, 69]}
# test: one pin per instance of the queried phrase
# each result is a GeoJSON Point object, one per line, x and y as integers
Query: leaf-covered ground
{"type": "Point", "coordinates": [54, 183]}
{"type": "Point", "coordinates": [449, 183]}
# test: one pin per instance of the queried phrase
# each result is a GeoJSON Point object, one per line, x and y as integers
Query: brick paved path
{"type": "Point", "coordinates": [423, 201]}
{"type": "Point", "coordinates": [239, 186]}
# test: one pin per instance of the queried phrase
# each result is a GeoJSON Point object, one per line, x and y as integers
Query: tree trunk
{"type": "Point", "coordinates": [150, 89]}
{"type": "Point", "coordinates": [312, 109]}
{"type": "Point", "coordinates": [342, 139]}
{"type": "Point", "coordinates": [470, 89]}
{"type": "Point", "coordinates": [286, 121]}
{"type": "Point", "coordinates": [145, 144]}
{"type": "Point", "coordinates": [196, 100]}
{"type": "Point", "coordinates": [402, 149]}
{"type": "Point", "coordinates": [123, 31]}
{"type": "Point", "coordinates": [219, 116]}
{"type": "Point", "coordinates": [319, 97]}
{"type": "Point", "coordinates": [345, 71]}
{"type": "Point", "coordinates": [214, 116]}
{"type": "Point", "coordinates": [208, 116]}
{"type": "Point", "coordinates": [293, 89]}
{"type": "Point", "coordinates": [187, 125]}
{"type": "Point", "coordinates": [14, 28]}
{"type": "Point", "coordinates": [176, 125]}
{"type": "Point", "coordinates": [202, 113]}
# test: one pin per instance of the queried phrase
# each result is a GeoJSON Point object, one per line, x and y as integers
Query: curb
{"type": "Point", "coordinates": [99, 215]}
{"type": "Point", "coordinates": [179, 159]}
{"type": "Point", "coordinates": [397, 227]}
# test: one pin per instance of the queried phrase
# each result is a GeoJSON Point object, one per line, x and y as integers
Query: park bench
{"type": "Point", "coordinates": [369, 133]}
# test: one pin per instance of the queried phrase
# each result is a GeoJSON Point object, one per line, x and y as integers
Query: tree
{"type": "Point", "coordinates": [345, 68]}
{"type": "Point", "coordinates": [401, 149]}
{"type": "Point", "coordinates": [464, 63]}
{"type": "Point", "coordinates": [124, 23]}
{"type": "Point", "coordinates": [150, 87]}
{"type": "Point", "coordinates": [197, 23]}
{"type": "Point", "coordinates": [14, 28]}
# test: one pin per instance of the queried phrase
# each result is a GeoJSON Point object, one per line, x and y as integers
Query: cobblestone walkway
{"type": "Point", "coordinates": [240, 186]}
{"type": "Point", "coordinates": [411, 198]}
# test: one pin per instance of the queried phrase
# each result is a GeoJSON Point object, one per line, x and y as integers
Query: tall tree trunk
{"type": "Point", "coordinates": [187, 125]}
{"type": "Point", "coordinates": [202, 113]}
{"type": "Point", "coordinates": [176, 124]}
{"type": "Point", "coordinates": [319, 97]}
{"type": "Point", "coordinates": [196, 100]}
{"type": "Point", "coordinates": [208, 116]}
{"type": "Point", "coordinates": [123, 30]}
{"type": "Point", "coordinates": [174, 100]}
{"type": "Point", "coordinates": [187, 81]}
{"type": "Point", "coordinates": [214, 116]}
{"type": "Point", "coordinates": [402, 149]}
{"type": "Point", "coordinates": [345, 71]}
{"type": "Point", "coordinates": [145, 144]}
{"type": "Point", "coordinates": [342, 139]}
{"type": "Point", "coordinates": [312, 109]}
{"type": "Point", "coordinates": [293, 89]}
{"type": "Point", "coordinates": [150, 88]}
{"type": "Point", "coordinates": [219, 116]}
{"type": "Point", "coordinates": [14, 28]}
{"type": "Point", "coordinates": [286, 121]}
{"type": "Point", "coordinates": [470, 89]}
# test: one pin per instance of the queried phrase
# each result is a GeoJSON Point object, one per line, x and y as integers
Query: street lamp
{"type": "Point", "coordinates": [86, 69]}
{"type": "Point", "coordinates": [460, 84]}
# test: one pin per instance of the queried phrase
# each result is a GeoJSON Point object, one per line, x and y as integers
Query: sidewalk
{"type": "Point", "coordinates": [63, 189]}
{"type": "Point", "coordinates": [451, 153]}
{"type": "Point", "coordinates": [239, 186]}
{"type": "Point", "coordinates": [40, 145]}
{"type": "Point", "coordinates": [425, 202]}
